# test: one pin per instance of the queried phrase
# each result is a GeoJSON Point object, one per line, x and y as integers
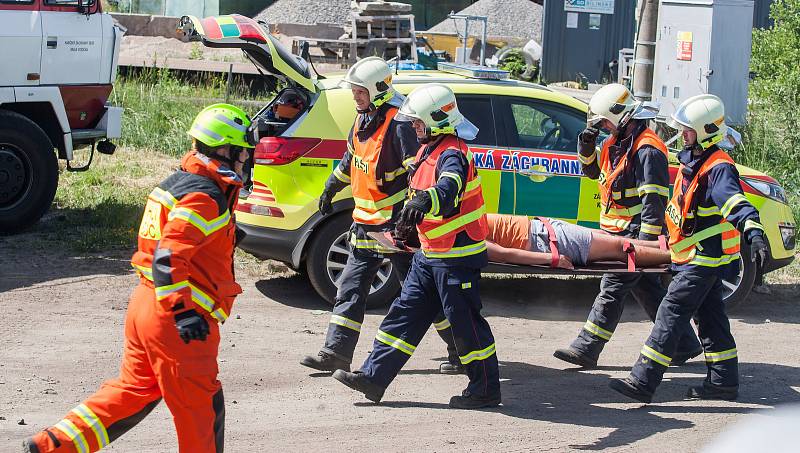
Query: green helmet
{"type": "Point", "coordinates": [221, 124]}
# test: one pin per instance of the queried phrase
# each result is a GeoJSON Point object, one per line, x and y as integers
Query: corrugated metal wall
{"type": "Point", "coordinates": [761, 17]}
{"type": "Point", "coordinates": [583, 52]}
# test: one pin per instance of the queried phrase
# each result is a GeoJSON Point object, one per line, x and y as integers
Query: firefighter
{"type": "Point", "coordinates": [705, 217]}
{"type": "Point", "coordinates": [186, 290]}
{"type": "Point", "coordinates": [632, 172]}
{"type": "Point", "coordinates": [446, 209]}
{"type": "Point", "coordinates": [380, 150]}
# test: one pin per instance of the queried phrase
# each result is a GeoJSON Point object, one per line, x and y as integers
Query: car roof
{"type": "Point", "coordinates": [460, 84]}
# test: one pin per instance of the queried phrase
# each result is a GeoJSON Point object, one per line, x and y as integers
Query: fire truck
{"type": "Point", "coordinates": [59, 63]}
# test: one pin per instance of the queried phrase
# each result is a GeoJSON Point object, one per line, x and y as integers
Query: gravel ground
{"type": "Point", "coordinates": [308, 12]}
{"type": "Point", "coordinates": [508, 18]}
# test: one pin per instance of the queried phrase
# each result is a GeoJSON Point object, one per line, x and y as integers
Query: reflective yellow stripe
{"type": "Point", "coordinates": [360, 214]}
{"type": "Point", "coordinates": [625, 212]}
{"type": "Point", "coordinates": [708, 212]}
{"type": "Point", "coordinates": [457, 252]}
{"type": "Point", "coordinates": [708, 261]}
{"type": "Point", "coordinates": [380, 204]}
{"type": "Point", "coordinates": [714, 357]}
{"type": "Point", "coordinates": [163, 197]}
{"type": "Point", "coordinates": [456, 223]}
{"type": "Point", "coordinates": [702, 235]}
{"type": "Point", "coordinates": [466, 285]}
{"type": "Point", "coordinates": [75, 435]}
{"type": "Point", "coordinates": [143, 271]}
{"type": "Point", "coordinates": [752, 225]}
{"type": "Point", "coordinates": [339, 174]}
{"type": "Point", "coordinates": [207, 227]}
{"type": "Point", "coordinates": [454, 176]}
{"type": "Point", "coordinates": [653, 188]}
{"type": "Point", "coordinates": [92, 421]}
{"type": "Point", "coordinates": [656, 356]}
{"type": "Point", "coordinates": [344, 322]}
{"type": "Point", "coordinates": [395, 342]}
{"type": "Point", "coordinates": [164, 291]}
{"type": "Point", "coordinates": [220, 315]}
{"type": "Point", "coordinates": [202, 299]}
{"type": "Point", "coordinates": [390, 176]}
{"type": "Point", "coordinates": [613, 225]}
{"type": "Point", "coordinates": [472, 185]}
{"type": "Point", "coordinates": [369, 244]}
{"type": "Point", "coordinates": [597, 330]}
{"type": "Point", "coordinates": [434, 201]}
{"type": "Point", "coordinates": [649, 228]}
{"type": "Point", "coordinates": [731, 203]}
{"type": "Point", "coordinates": [483, 354]}
{"type": "Point", "coordinates": [587, 160]}
{"type": "Point", "coordinates": [445, 324]}
{"type": "Point", "coordinates": [631, 193]}
{"type": "Point", "coordinates": [409, 161]}
{"type": "Point", "coordinates": [730, 242]}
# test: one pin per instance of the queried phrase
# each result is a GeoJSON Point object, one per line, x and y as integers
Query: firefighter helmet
{"type": "Point", "coordinates": [374, 75]}
{"type": "Point", "coordinates": [435, 105]}
{"type": "Point", "coordinates": [221, 124]}
{"type": "Point", "coordinates": [613, 102]}
{"type": "Point", "coordinates": [705, 114]}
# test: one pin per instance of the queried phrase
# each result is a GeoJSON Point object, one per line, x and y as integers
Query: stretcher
{"type": "Point", "coordinates": [598, 268]}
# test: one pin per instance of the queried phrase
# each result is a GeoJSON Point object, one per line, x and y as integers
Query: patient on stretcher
{"type": "Point", "coordinates": [527, 241]}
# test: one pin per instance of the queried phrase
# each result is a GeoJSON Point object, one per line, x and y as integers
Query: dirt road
{"type": "Point", "coordinates": [63, 336]}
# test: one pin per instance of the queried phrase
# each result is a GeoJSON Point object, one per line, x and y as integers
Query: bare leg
{"type": "Point", "coordinates": [606, 247]}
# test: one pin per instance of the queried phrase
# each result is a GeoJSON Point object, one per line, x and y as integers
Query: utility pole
{"type": "Point", "coordinates": [645, 50]}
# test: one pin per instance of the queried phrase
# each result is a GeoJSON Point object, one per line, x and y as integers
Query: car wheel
{"type": "Point", "coordinates": [736, 289]}
{"type": "Point", "coordinates": [326, 259]}
{"type": "Point", "coordinates": [28, 172]}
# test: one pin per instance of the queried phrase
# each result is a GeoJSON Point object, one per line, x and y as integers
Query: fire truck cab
{"type": "Point", "coordinates": [59, 66]}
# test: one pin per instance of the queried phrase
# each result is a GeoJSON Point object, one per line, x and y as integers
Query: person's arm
{"type": "Point", "coordinates": [406, 144]}
{"type": "Point", "coordinates": [451, 176]}
{"type": "Point", "coordinates": [340, 178]}
{"type": "Point", "coordinates": [653, 190]}
{"type": "Point", "coordinates": [500, 254]}
{"type": "Point", "coordinates": [588, 154]}
{"type": "Point", "coordinates": [726, 193]}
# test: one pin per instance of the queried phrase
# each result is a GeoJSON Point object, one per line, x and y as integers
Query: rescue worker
{"type": "Point", "coordinates": [633, 175]}
{"type": "Point", "coordinates": [446, 209]}
{"type": "Point", "coordinates": [380, 150]}
{"type": "Point", "coordinates": [704, 218]}
{"type": "Point", "coordinates": [186, 290]}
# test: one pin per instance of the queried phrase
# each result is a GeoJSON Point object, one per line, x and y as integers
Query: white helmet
{"type": "Point", "coordinates": [435, 105]}
{"type": "Point", "coordinates": [613, 102]}
{"type": "Point", "coordinates": [374, 75]}
{"type": "Point", "coordinates": [705, 114]}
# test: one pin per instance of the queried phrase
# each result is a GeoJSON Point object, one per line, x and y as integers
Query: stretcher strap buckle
{"type": "Point", "coordinates": [553, 239]}
{"type": "Point", "coordinates": [628, 248]}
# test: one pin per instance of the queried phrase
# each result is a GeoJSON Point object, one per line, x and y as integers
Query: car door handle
{"type": "Point", "coordinates": [52, 42]}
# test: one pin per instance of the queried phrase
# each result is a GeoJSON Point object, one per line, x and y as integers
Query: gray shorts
{"type": "Point", "coordinates": [573, 240]}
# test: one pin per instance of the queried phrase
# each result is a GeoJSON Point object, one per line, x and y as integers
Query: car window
{"type": "Point", "coordinates": [478, 109]}
{"type": "Point", "coordinates": [543, 125]}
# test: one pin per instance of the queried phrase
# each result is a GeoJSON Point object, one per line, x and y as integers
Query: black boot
{"type": "Point", "coordinates": [29, 447]}
{"type": "Point", "coordinates": [452, 368]}
{"type": "Point", "coordinates": [453, 364]}
{"type": "Point", "coordinates": [469, 401]}
{"type": "Point", "coordinates": [574, 357]}
{"type": "Point", "coordinates": [713, 392]}
{"type": "Point", "coordinates": [682, 357]}
{"type": "Point", "coordinates": [325, 362]}
{"type": "Point", "coordinates": [627, 387]}
{"type": "Point", "coordinates": [358, 382]}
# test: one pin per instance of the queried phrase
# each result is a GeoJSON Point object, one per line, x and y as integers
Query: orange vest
{"type": "Point", "coordinates": [613, 217]}
{"type": "Point", "coordinates": [436, 233]}
{"type": "Point", "coordinates": [683, 243]}
{"type": "Point", "coordinates": [373, 206]}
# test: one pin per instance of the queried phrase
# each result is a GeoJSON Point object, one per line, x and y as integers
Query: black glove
{"type": "Point", "coordinates": [758, 255]}
{"type": "Point", "coordinates": [325, 199]}
{"type": "Point", "coordinates": [588, 140]}
{"type": "Point", "coordinates": [191, 325]}
{"type": "Point", "coordinates": [412, 214]}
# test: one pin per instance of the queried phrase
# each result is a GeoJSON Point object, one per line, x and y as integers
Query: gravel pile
{"type": "Point", "coordinates": [507, 18]}
{"type": "Point", "coordinates": [309, 12]}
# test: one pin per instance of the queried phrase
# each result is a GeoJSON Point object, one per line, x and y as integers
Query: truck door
{"type": "Point", "coordinates": [72, 48]}
{"type": "Point", "coordinates": [21, 41]}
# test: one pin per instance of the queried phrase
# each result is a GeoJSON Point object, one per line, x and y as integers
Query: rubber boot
{"type": "Point", "coordinates": [325, 362]}
{"type": "Point", "coordinates": [574, 357]}
{"type": "Point", "coordinates": [453, 364]}
{"type": "Point", "coordinates": [469, 401]}
{"type": "Point", "coordinates": [627, 387]}
{"type": "Point", "coordinates": [358, 382]}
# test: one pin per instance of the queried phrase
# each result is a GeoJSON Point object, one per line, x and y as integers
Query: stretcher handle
{"type": "Point", "coordinates": [628, 248]}
{"type": "Point", "coordinates": [553, 241]}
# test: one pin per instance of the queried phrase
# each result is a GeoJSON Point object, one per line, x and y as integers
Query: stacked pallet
{"type": "Point", "coordinates": [381, 28]}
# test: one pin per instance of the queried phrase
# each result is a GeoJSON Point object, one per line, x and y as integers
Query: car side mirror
{"type": "Point", "coordinates": [85, 6]}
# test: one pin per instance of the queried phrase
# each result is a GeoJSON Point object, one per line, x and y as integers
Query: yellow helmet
{"type": "Point", "coordinates": [613, 102]}
{"type": "Point", "coordinates": [705, 114]}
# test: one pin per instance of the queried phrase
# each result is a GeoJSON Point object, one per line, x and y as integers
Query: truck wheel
{"type": "Point", "coordinates": [738, 288]}
{"type": "Point", "coordinates": [327, 255]}
{"type": "Point", "coordinates": [28, 172]}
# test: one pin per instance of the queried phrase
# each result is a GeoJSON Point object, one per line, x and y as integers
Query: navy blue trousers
{"type": "Point", "coordinates": [426, 291]}
{"type": "Point", "coordinates": [696, 291]}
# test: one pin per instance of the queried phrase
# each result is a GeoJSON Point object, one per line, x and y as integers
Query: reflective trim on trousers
{"type": "Point", "coordinates": [395, 342]}
{"type": "Point", "coordinates": [93, 422]}
{"type": "Point", "coordinates": [444, 324]}
{"type": "Point", "coordinates": [649, 228]}
{"type": "Point", "coordinates": [75, 435]}
{"type": "Point", "coordinates": [656, 356]}
{"type": "Point", "coordinates": [708, 261]}
{"type": "Point", "coordinates": [483, 354]}
{"type": "Point", "coordinates": [597, 330]}
{"type": "Point", "coordinates": [714, 357]}
{"type": "Point", "coordinates": [345, 322]}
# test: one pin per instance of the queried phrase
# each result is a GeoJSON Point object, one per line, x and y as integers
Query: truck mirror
{"type": "Point", "coordinates": [85, 6]}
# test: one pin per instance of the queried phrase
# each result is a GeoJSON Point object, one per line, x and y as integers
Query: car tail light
{"type": "Point", "coordinates": [282, 150]}
{"type": "Point", "coordinates": [267, 211]}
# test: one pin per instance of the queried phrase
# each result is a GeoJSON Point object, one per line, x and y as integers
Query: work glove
{"type": "Point", "coordinates": [191, 325]}
{"type": "Point", "coordinates": [325, 199]}
{"type": "Point", "coordinates": [412, 214]}
{"type": "Point", "coordinates": [758, 255]}
{"type": "Point", "coordinates": [587, 141]}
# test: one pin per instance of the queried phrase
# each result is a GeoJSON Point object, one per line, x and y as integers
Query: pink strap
{"type": "Point", "coordinates": [628, 248]}
{"type": "Point", "coordinates": [662, 242]}
{"type": "Point", "coordinates": [553, 239]}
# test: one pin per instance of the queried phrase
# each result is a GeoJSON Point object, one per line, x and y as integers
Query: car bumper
{"type": "Point", "coordinates": [273, 243]}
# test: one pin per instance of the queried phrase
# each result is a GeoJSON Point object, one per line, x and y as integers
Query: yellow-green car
{"type": "Point", "coordinates": [521, 125]}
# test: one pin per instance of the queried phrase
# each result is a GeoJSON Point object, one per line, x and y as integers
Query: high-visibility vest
{"type": "Point", "coordinates": [437, 234]}
{"type": "Point", "coordinates": [613, 217]}
{"type": "Point", "coordinates": [683, 243]}
{"type": "Point", "coordinates": [373, 206]}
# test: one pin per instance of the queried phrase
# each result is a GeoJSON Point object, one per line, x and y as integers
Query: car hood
{"type": "Point", "coordinates": [253, 37]}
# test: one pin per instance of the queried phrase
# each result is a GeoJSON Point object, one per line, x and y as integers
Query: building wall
{"type": "Point", "coordinates": [428, 13]}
